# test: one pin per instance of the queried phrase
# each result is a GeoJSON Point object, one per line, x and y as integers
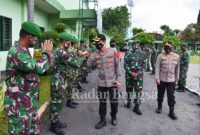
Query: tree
{"type": "Point", "coordinates": [146, 38]}
{"type": "Point", "coordinates": [174, 39]}
{"type": "Point", "coordinates": [60, 27]}
{"type": "Point", "coordinates": [118, 36]}
{"type": "Point", "coordinates": [191, 33]}
{"type": "Point", "coordinates": [137, 30]}
{"type": "Point", "coordinates": [116, 21]}
{"type": "Point", "coordinates": [198, 19]}
{"type": "Point", "coordinates": [166, 29]}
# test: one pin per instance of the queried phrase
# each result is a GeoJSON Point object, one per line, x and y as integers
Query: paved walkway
{"type": "Point", "coordinates": [81, 121]}
{"type": "Point", "coordinates": [193, 79]}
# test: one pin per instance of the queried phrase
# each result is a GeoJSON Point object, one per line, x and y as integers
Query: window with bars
{"type": "Point", "coordinates": [5, 33]}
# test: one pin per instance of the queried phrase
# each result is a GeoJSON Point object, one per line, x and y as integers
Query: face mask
{"type": "Point", "coordinates": [99, 46]}
{"type": "Point", "coordinates": [112, 45]}
{"type": "Point", "coordinates": [134, 47]}
{"type": "Point", "coordinates": [167, 49]}
{"type": "Point", "coordinates": [30, 44]}
{"type": "Point", "coordinates": [183, 49]}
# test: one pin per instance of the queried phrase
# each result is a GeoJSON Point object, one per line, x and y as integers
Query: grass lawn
{"type": "Point", "coordinates": [194, 60]}
{"type": "Point", "coordinates": [44, 96]}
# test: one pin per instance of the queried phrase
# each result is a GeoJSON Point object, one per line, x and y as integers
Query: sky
{"type": "Point", "coordinates": [151, 14]}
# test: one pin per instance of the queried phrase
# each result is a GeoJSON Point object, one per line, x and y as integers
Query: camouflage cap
{"type": "Point", "coordinates": [31, 28]}
{"type": "Point", "coordinates": [66, 36]}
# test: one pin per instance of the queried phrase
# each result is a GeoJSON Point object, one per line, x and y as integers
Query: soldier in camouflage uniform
{"type": "Point", "coordinates": [153, 60]}
{"type": "Point", "coordinates": [22, 95]}
{"type": "Point", "coordinates": [72, 74]}
{"type": "Point", "coordinates": [84, 53]}
{"type": "Point", "coordinates": [184, 64]}
{"type": "Point", "coordinates": [147, 50]}
{"type": "Point", "coordinates": [62, 61]}
{"type": "Point", "coordinates": [134, 65]}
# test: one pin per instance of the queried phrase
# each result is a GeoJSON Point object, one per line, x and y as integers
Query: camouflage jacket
{"type": "Point", "coordinates": [184, 59]}
{"type": "Point", "coordinates": [61, 63]}
{"type": "Point", "coordinates": [22, 70]}
{"type": "Point", "coordinates": [109, 66]}
{"type": "Point", "coordinates": [134, 62]}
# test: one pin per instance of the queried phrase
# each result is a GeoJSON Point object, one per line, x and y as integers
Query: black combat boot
{"type": "Point", "coordinates": [128, 105]}
{"type": "Point", "coordinates": [136, 109]}
{"type": "Point", "coordinates": [159, 109]}
{"type": "Point", "coordinates": [70, 104]}
{"type": "Point", "coordinates": [172, 114]}
{"type": "Point", "coordinates": [75, 103]}
{"type": "Point", "coordinates": [114, 120]}
{"type": "Point", "coordinates": [85, 80]}
{"type": "Point", "coordinates": [180, 89]}
{"type": "Point", "coordinates": [101, 123]}
{"type": "Point", "coordinates": [61, 125]}
{"type": "Point", "coordinates": [56, 129]}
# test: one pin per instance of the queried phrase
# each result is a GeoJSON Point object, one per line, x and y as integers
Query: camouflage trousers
{"type": "Point", "coordinates": [57, 94]}
{"type": "Point", "coordinates": [182, 77]}
{"type": "Point", "coordinates": [71, 87]}
{"type": "Point", "coordinates": [137, 85]}
{"type": "Point", "coordinates": [21, 108]}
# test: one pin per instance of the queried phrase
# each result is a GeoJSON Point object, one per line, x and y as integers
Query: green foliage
{"type": "Point", "coordinates": [3, 117]}
{"type": "Point", "coordinates": [168, 31]}
{"type": "Point", "coordinates": [118, 36]}
{"type": "Point", "coordinates": [117, 17]}
{"type": "Point", "coordinates": [60, 27]}
{"type": "Point", "coordinates": [51, 35]}
{"type": "Point", "coordinates": [116, 21]}
{"type": "Point", "coordinates": [146, 38]}
{"type": "Point", "coordinates": [137, 30]}
{"type": "Point", "coordinates": [44, 89]}
{"type": "Point", "coordinates": [175, 41]}
{"type": "Point", "coordinates": [191, 33]}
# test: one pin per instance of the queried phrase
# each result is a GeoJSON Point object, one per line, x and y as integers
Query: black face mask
{"type": "Point", "coordinates": [30, 44]}
{"type": "Point", "coordinates": [99, 46]}
{"type": "Point", "coordinates": [112, 45]}
{"type": "Point", "coordinates": [167, 49]}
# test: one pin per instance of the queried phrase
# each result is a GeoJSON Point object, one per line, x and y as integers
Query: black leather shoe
{"type": "Point", "coordinates": [101, 124]}
{"type": "Point", "coordinates": [62, 125]}
{"type": "Point", "coordinates": [70, 104]}
{"type": "Point", "coordinates": [55, 129]}
{"type": "Point", "coordinates": [114, 121]}
{"type": "Point", "coordinates": [136, 109]}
